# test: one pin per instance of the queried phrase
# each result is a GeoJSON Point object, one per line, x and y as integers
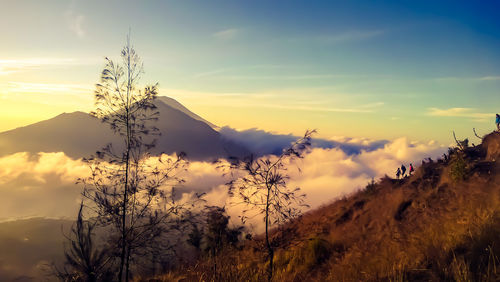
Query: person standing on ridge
{"type": "Point", "coordinates": [403, 170]}
{"type": "Point", "coordinates": [497, 121]}
{"type": "Point", "coordinates": [411, 169]}
{"type": "Point", "coordinates": [398, 172]}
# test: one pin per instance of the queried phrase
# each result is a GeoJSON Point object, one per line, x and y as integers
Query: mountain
{"type": "Point", "coordinates": [79, 135]}
{"type": "Point", "coordinates": [440, 224]}
{"type": "Point", "coordinates": [178, 106]}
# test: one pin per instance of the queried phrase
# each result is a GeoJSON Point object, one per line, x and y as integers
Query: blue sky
{"type": "Point", "coordinates": [371, 69]}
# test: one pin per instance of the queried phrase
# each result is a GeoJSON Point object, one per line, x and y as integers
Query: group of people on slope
{"type": "Point", "coordinates": [401, 172]}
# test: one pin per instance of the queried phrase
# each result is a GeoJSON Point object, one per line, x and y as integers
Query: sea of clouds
{"type": "Point", "coordinates": [43, 185]}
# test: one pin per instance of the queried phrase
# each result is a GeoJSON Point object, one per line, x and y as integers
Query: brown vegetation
{"type": "Point", "coordinates": [440, 224]}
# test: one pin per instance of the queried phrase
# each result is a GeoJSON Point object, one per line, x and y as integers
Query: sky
{"type": "Point", "coordinates": [370, 69]}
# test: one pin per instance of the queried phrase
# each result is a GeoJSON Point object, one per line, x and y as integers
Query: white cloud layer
{"type": "Point", "coordinates": [261, 142]}
{"type": "Point", "coordinates": [44, 184]}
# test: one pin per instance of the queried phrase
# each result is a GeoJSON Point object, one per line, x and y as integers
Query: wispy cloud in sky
{"type": "Point", "coordinates": [468, 79]}
{"type": "Point", "coordinates": [274, 99]}
{"type": "Point", "coordinates": [350, 36]}
{"type": "Point", "coordinates": [369, 108]}
{"type": "Point", "coordinates": [461, 112]}
{"type": "Point", "coordinates": [212, 72]}
{"type": "Point", "coordinates": [217, 72]}
{"type": "Point", "coordinates": [283, 77]}
{"type": "Point", "coordinates": [52, 95]}
{"type": "Point", "coordinates": [347, 36]}
{"type": "Point", "coordinates": [9, 66]}
{"type": "Point", "coordinates": [247, 73]}
{"type": "Point", "coordinates": [6, 70]}
{"type": "Point", "coordinates": [226, 33]}
{"type": "Point", "coordinates": [486, 78]}
{"type": "Point", "coordinates": [46, 88]}
{"type": "Point", "coordinates": [75, 22]}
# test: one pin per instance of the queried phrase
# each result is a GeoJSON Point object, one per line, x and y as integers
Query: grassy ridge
{"type": "Point", "coordinates": [440, 224]}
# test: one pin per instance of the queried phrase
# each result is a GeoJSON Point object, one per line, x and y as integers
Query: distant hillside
{"type": "Point", "coordinates": [79, 135]}
{"type": "Point", "coordinates": [28, 246]}
{"type": "Point", "coordinates": [440, 224]}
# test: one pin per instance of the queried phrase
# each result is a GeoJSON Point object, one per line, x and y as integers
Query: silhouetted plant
{"type": "Point", "coordinates": [370, 187]}
{"type": "Point", "coordinates": [128, 189]}
{"type": "Point", "coordinates": [218, 235]}
{"type": "Point", "coordinates": [195, 237]}
{"type": "Point", "coordinates": [263, 188]}
{"type": "Point", "coordinates": [475, 133]}
{"type": "Point", "coordinates": [462, 144]}
{"type": "Point", "coordinates": [83, 260]}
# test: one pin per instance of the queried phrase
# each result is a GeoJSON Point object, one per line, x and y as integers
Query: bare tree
{"type": "Point", "coordinates": [475, 133]}
{"type": "Point", "coordinates": [263, 188]}
{"type": "Point", "coordinates": [462, 144]}
{"type": "Point", "coordinates": [129, 190]}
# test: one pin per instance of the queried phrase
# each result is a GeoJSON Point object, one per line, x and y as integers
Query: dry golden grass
{"type": "Point", "coordinates": [432, 226]}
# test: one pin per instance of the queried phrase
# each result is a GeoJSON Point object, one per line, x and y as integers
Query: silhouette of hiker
{"type": "Point", "coordinates": [403, 170]}
{"type": "Point", "coordinates": [411, 169]}
{"type": "Point", "coordinates": [398, 172]}
{"type": "Point", "coordinates": [497, 121]}
{"type": "Point", "coordinates": [445, 157]}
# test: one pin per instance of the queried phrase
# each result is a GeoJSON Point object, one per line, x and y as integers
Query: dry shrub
{"type": "Point", "coordinates": [458, 169]}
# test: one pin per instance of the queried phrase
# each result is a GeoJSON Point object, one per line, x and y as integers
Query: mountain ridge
{"type": "Point", "coordinates": [78, 134]}
{"type": "Point", "coordinates": [178, 106]}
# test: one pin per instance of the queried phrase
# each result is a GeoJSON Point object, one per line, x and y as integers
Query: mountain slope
{"type": "Point", "coordinates": [440, 224]}
{"type": "Point", "coordinates": [178, 106]}
{"type": "Point", "coordinates": [79, 135]}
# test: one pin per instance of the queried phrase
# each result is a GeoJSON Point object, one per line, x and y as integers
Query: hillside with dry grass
{"type": "Point", "coordinates": [440, 224]}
